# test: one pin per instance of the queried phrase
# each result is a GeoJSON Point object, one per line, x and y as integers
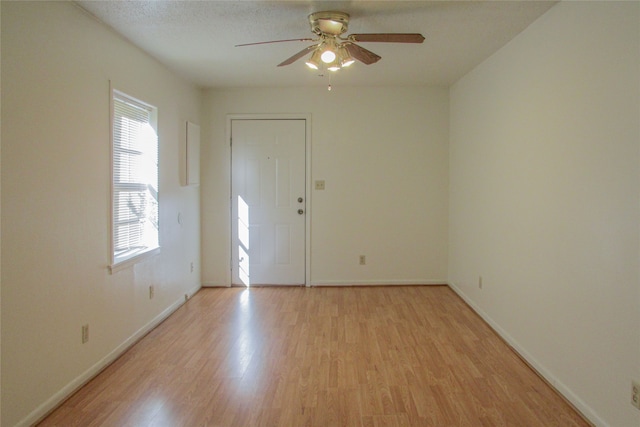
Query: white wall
{"type": "Point", "coordinates": [56, 67]}
{"type": "Point", "coordinates": [383, 154]}
{"type": "Point", "coordinates": [544, 200]}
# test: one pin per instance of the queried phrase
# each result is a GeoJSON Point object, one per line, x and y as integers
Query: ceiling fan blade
{"type": "Point", "coordinates": [297, 56]}
{"type": "Point", "coordinates": [361, 54]}
{"type": "Point", "coordinates": [388, 37]}
{"type": "Point", "coordinates": [275, 41]}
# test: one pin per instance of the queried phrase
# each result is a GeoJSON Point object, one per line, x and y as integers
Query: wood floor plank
{"type": "Point", "coordinates": [361, 356]}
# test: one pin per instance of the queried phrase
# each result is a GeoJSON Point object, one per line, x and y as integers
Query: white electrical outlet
{"type": "Point", "coordinates": [480, 282]}
{"type": "Point", "coordinates": [320, 184]}
{"type": "Point", "coordinates": [152, 292]}
{"type": "Point", "coordinates": [191, 267]}
{"type": "Point", "coordinates": [85, 333]}
{"type": "Point", "coordinates": [635, 394]}
{"type": "Point", "coordinates": [363, 260]}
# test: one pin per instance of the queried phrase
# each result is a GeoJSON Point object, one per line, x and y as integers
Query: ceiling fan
{"type": "Point", "coordinates": [335, 51]}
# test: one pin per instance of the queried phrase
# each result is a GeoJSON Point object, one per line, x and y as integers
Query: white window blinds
{"type": "Point", "coordinates": [135, 178]}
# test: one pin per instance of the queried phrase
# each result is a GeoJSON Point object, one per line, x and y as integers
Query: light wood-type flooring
{"type": "Point", "coordinates": [354, 356]}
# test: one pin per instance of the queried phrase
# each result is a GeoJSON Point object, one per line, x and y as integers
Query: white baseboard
{"type": "Point", "coordinates": [54, 401]}
{"type": "Point", "coordinates": [350, 283]}
{"type": "Point", "coordinates": [215, 285]}
{"type": "Point", "coordinates": [561, 388]}
{"type": "Point", "coordinates": [377, 282]}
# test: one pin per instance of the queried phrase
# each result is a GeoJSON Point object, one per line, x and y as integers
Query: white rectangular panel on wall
{"type": "Point", "coordinates": [193, 154]}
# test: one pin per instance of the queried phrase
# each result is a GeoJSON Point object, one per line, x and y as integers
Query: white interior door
{"type": "Point", "coordinates": [268, 201]}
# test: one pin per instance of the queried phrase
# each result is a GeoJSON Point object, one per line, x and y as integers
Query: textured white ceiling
{"type": "Point", "coordinates": [196, 39]}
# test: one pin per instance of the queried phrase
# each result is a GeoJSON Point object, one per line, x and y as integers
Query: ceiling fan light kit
{"type": "Point", "coordinates": [345, 57]}
{"type": "Point", "coordinates": [335, 51]}
{"type": "Point", "coordinates": [328, 47]}
{"type": "Point", "coordinates": [314, 61]}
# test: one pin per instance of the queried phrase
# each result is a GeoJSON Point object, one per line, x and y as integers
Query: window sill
{"type": "Point", "coordinates": [128, 262]}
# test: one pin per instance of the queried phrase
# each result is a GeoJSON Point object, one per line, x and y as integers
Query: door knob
{"type": "Point", "coordinates": [300, 211]}
{"type": "Point", "coordinates": [300, 199]}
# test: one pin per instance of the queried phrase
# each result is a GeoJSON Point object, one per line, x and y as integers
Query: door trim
{"type": "Point", "coordinates": [293, 116]}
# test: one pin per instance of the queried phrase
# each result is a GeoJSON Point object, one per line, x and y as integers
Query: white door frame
{"type": "Point", "coordinates": [294, 116]}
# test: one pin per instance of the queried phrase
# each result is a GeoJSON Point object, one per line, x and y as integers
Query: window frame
{"type": "Point", "coordinates": [131, 257]}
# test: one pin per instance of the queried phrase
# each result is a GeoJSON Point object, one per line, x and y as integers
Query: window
{"type": "Point", "coordinates": [135, 179]}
